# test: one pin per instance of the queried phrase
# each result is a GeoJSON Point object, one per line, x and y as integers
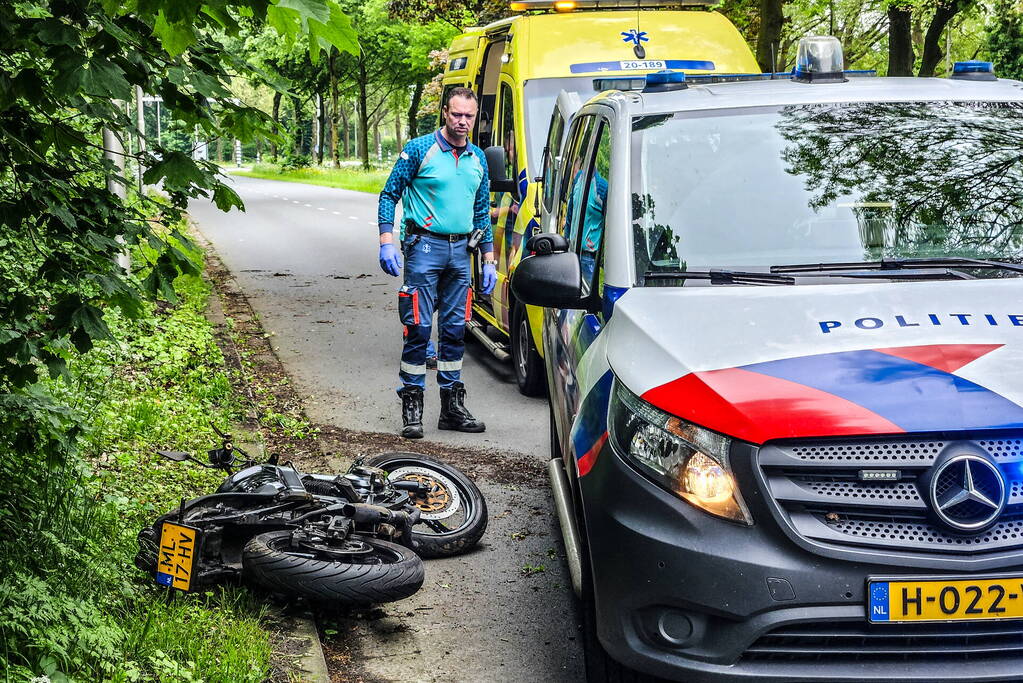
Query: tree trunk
{"type": "Point", "coordinates": [220, 149]}
{"type": "Point", "coordinates": [363, 132]}
{"type": "Point", "coordinates": [277, 123]}
{"type": "Point", "coordinates": [769, 37]}
{"type": "Point", "coordinates": [332, 66]}
{"type": "Point", "coordinates": [413, 110]}
{"type": "Point", "coordinates": [900, 41]}
{"type": "Point", "coordinates": [321, 119]}
{"type": "Point", "coordinates": [346, 129]}
{"type": "Point", "coordinates": [932, 53]}
{"type": "Point", "coordinates": [376, 138]}
{"type": "Point", "coordinates": [297, 133]}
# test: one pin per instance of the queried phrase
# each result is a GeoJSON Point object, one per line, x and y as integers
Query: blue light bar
{"type": "Point", "coordinates": [662, 81]}
{"type": "Point", "coordinates": [974, 71]}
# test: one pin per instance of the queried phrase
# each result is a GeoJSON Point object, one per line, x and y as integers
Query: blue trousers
{"type": "Point", "coordinates": [436, 279]}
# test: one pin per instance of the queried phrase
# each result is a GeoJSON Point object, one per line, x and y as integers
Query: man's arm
{"type": "Point", "coordinates": [402, 173]}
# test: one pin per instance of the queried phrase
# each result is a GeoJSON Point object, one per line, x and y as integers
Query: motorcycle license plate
{"type": "Point", "coordinates": [176, 559]}
{"type": "Point", "coordinates": [975, 599]}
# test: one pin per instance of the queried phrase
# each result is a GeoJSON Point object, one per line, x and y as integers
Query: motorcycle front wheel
{"type": "Point", "coordinates": [453, 512]}
{"type": "Point", "coordinates": [364, 571]}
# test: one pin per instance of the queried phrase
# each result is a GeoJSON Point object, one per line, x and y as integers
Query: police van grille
{"type": "Point", "coordinates": [820, 494]}
{"type": "Point", "coordinates": [833, 641]}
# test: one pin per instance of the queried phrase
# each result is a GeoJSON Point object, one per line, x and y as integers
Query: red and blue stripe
{"type": "Point", "coordinates": [870, 391]}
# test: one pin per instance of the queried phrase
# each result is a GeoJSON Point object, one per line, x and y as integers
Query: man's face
{"type": "Point", "coordinates": [459, 115]}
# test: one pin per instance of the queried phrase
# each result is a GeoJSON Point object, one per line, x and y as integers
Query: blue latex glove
{"type": "Point", "coordinates": [489, 277]}
{"type": "Point", "coordinates": [390, 259]}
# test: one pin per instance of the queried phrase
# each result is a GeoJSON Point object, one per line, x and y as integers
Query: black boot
{"type": "Point", "coordinates": [453, 413]}
{"type": "Point", "coordinates": [411, 412]}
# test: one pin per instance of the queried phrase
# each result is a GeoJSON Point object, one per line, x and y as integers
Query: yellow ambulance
{"type": "Point", "coordinates": [518, 67]}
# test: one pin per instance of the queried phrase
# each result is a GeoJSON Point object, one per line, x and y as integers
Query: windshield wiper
{"type": "Point", "coordinates": [898, 264]}
{"type": "Point", "coordinates": [722, 277]}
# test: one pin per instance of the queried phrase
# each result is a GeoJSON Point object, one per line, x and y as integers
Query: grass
{"type": "Point", "coordinates": [348, 178]}
{"type": "Point", "coordinates": [72, 604]}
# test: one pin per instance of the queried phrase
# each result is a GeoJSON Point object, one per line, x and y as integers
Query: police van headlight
{"type": "Point", "coordinates": [688, 460]}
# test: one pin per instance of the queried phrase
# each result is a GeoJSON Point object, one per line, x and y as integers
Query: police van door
{"type": "Point", "coordinates": [582, 194]}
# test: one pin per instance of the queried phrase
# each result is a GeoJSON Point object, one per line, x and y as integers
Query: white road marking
{"type": "Point", "coordinates": [336, 213]}
{"type": "Point", "coordinates": [354, 218]}
{"type": "Point", "coordinates": [320, 208]}
{"type": "Point", "coordinates": [309, 206]}
{"type": "Point", "coordinates": [294, 201]}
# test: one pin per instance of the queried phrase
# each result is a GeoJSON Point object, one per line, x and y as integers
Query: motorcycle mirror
{"type": "Point", "coordinates": [176, 456]}
{"type": "Point", "coordinates": [221, 434]}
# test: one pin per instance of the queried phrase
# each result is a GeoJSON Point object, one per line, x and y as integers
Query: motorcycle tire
{"type": "Point", "coordinates": [149, 542]}
{"type": "Point", "coordinates": [387, 572]}
{"type": "Point", "coordinates": [454, 513]}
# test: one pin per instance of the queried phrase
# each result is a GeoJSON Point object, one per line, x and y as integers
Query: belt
{"type": "Point", "coordinates": [414, 229]}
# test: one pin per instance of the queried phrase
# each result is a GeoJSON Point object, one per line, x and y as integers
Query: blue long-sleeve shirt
{"type": "Point", "coordinates": [440, 190]}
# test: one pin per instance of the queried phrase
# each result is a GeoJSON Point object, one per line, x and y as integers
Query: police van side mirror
{"type": "Point", "coordinates": [495, 165]}
{"type": "Point", "coordinates": [551, 279]}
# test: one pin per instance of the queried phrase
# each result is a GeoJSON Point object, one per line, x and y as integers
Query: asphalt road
{"type": "Point", "coordinates": [306, 257]}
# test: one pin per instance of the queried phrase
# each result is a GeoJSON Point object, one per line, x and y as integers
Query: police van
{"type": "Point", "coordinates": [783, 332]}
{"type": "Point", "coordinates": [517, 67]}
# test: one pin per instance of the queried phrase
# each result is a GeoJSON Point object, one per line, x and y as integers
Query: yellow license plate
{"type": "Point", "coordinates": [945, 599]}
{"type": "Point", "coordinates": [178, 547]}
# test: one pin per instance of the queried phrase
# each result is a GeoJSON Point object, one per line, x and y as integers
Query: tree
{"type": "Point", "coordinates": [66, 69]}
{"type": "Point", "coordinates": [1005, 39]}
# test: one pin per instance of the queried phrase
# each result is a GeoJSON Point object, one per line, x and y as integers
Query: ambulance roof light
{"type": "Point", "coordinates": [819, 60]}
{"type": "Point", "coordinates": [572, 5]}
{"type": "Point", "coordinates": [974, 71]}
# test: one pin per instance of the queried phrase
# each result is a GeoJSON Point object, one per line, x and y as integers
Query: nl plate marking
{"type": "Point", "coordinates": [945, 600]}
{"type": "Point", "coordinates": [176, 556]}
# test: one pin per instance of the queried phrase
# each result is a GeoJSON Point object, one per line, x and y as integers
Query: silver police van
{"type": "Point", "coordinates": [784, 343]}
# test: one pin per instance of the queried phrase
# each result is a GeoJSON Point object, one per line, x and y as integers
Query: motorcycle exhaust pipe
{"type": "Point", "coordinates": [569, 529]}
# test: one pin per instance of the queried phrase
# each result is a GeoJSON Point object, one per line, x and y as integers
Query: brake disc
{"type": "Point", "coordinates": [441, 501]}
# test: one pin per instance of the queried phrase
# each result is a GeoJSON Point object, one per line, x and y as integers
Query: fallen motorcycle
{"type": "Point", "coordinates": [353, 538]}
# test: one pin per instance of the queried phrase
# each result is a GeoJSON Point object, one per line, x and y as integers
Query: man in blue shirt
{"type": "Point", "coordinates": [444, 188]}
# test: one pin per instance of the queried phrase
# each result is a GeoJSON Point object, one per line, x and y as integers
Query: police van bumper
{"type": "Point", "coordinates": [688, 597]}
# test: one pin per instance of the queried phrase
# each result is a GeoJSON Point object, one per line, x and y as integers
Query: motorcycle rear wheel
{"type": "Point", "coordinates": [454, 512]}
{"type": "Point", "coordinates": [380, 572]}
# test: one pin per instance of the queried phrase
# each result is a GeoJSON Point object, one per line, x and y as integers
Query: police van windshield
{"type": "Point", "coordinates": [832, 183]}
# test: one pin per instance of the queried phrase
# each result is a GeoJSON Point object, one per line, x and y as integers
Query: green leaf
{"type": "Point", "coordinates": [180, 172]}
{"type": "Point", "coordinates": [175, 37]}
{"type": "Point", "coordinates": [106, 79]}
{"type": "Point", "coordinates": [307, 9]}
{"type": "Point", "coordinates": [337, 31]}
{"type": "Point", "coordinates": [224, 197]}
{"type": "Point", "coordinates": [90, 319]}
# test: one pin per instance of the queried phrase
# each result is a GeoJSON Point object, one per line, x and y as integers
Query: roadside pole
{"type": "Point", "coordinates": [113, 149]}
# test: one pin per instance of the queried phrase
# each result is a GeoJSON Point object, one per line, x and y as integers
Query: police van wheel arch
{"type": "Point", "coordinates": [530, 373]}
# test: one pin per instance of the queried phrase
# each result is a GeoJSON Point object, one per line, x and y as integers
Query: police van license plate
{"type": "Point", "coordinates": [176, 556]}
{"type": "Point", "coordinates": [900, 601]}
{"type": "Point", "coordinates": [641, 64]}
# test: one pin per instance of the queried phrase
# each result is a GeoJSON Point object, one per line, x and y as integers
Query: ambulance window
{"type": "Point", "coordinates": [551, 152]}
{"type": "Point", "coordinates": [591, 233]}
{"type": "Point", "coordinates": [507, 138]}
{"type": "Point", "coordinates": [573, 180]}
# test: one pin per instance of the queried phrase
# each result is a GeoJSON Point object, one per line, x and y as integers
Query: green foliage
{"type": "Point", "coordinates": [79, 480]}
{"type": "Point", "coordinates": [347, 177]}
{"type": "Point", "coordinates": [66, 69]}
{"type": "Point", "coordinates": [1005, 39]}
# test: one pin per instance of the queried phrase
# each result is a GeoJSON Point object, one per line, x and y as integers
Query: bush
{"type": "Point", "coordinates": [79, 479]}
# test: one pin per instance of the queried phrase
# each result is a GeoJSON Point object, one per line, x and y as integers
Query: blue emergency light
{"type": "Point", "coordinates": [974, 70]}
{"type": "Point", "coordinates": [663, 81]}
